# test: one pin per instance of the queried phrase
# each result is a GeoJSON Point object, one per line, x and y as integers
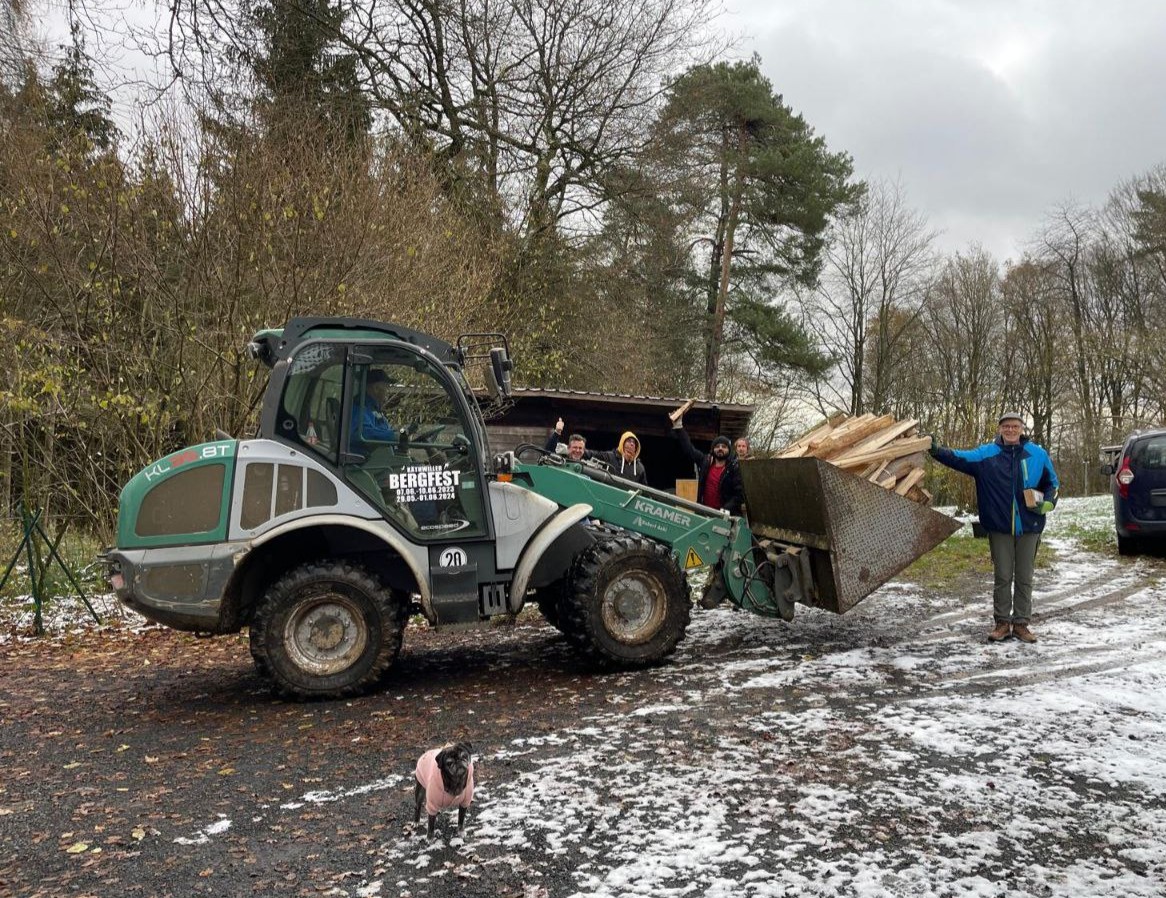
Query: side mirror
{"type": "Point", "coordinates": [498, 379]}
{"type": "Point", "coordinates": [1106, 470]}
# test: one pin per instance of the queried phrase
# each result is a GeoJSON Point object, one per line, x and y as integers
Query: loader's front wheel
{"type": "Point", "coordinates": [627, 604]}
{"type": "Point", "coordinates": [326, 630]}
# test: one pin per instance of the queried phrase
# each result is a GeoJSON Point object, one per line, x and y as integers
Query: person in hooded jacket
{"type": "Point", "coordinates": [1003, 470]}
{"type": "Point", "coordinates": [718, 473]}
{"type": "Point", "coordinates": [624, 460]}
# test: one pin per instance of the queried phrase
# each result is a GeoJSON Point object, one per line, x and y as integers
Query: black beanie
{"type": "Point", "coordinates": [722, 439]}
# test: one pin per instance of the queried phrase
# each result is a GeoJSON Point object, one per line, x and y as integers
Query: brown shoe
{"type": "Point", "coordinates": [1003, 631]}
{"type": "Point", "coordinates": [1021, 632]}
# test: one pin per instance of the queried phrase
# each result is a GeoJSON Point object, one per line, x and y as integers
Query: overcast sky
{"type": "Point", "coordinates": [989, 112]}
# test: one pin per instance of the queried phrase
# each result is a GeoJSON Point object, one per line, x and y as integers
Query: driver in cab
{"type": "Point", "coordinates": [368, 420]}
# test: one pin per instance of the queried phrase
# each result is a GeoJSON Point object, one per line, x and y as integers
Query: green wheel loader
{"type": "Point", "coordinates": [370, 494]}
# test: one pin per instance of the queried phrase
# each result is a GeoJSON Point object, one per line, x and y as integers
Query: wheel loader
{"type": "Point", "coordinates": [369, 494]}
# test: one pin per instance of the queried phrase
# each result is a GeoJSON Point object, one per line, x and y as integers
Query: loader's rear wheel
{"type": "Point", "coordinates": [326, 630]}
{"type": "Point", "coordinates": [626, 604]}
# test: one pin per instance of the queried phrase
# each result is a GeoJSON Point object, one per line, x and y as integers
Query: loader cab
{"type": "Point", "coordinates": [394, 420]}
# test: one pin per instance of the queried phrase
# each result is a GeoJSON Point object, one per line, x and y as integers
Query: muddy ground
{"type": "Point", "coordinates": [867, 754]}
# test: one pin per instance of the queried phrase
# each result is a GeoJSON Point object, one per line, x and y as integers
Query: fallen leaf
{"type": "Point", "coordinates": [77, 847]}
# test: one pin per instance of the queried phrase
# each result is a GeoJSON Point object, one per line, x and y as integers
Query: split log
{"type": "Point", "coordinates": [920, 495]}
{"type": "Point", "coordinates": [895, 449]}
{"type": "Point", "coordinates": [880, 439]}
{"type": "Point", "coordinates": [798, 447]}
{"type": "Point", "coordinates": [909, 481]}
{"type": "Point", "coordinates": [878, 449]}
{"type": "Point", "coordinates": [844, 438]}
{"type": "Point", "coordinates": [837, 433]}
{"type": "Point", "coordinates": [904, 465]}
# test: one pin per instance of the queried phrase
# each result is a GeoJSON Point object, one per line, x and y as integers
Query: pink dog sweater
{"type": "Point", "coordinates": [436, 798]}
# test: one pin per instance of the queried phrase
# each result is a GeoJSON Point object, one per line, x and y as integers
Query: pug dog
{"type": "Point", "coordinates": [445, 779]}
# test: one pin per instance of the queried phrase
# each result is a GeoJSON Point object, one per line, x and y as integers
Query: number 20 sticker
{"type": "Point", "coordinates": [452, 556]}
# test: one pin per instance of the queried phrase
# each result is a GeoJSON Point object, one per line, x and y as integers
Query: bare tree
{"type": "Point", "coordinates": [1130, 271]}
{"type": "Point", "coordinates": [1034, 369]}
{"type": "Point", "coordinates": [878, 263]}
{"type": "Point", "coordinates": [529, 103]}
{"type": "Point", "coordinates": [1065, 245]}
{"type": "Point", "coordinates": [967, 331]}
{"type": "Point", "coordinates": [13, 50]}
{"type": "Point", "coordinates": [127, 293]}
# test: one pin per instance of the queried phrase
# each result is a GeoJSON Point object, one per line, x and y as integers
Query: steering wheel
{"type": "Point", "coordinates": [460, 443]}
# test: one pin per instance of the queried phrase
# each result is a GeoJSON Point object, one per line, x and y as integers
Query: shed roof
{"type": "Point", "coordinates": [703, 421]}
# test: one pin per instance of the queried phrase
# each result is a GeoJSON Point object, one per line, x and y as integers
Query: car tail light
{"type": "Point", "coordinates": [1124, 478]}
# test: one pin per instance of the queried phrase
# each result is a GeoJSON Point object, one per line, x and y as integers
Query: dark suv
{"type": "Point", "coordinates": [1138, 480]}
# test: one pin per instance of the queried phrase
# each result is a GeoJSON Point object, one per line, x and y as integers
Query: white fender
{"type": "Point", "coordinates": [551, 531]}
{"type": "Point", "coordinates": [378, 528]}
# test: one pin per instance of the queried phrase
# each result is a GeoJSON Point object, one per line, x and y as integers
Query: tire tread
{"type": "Point", "coordinates": [392, 612]}
{"type": "Point", "coordinates": [579, 613]}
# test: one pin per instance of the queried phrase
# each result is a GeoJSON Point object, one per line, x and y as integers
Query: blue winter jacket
{"type": "Point", "coordinates": [1002, 474]}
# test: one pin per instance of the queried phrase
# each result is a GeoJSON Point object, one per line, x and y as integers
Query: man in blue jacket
{"type": "Point", "coordinates": [368, 419]}
{"type": "Point", "coordinates": [1003, 470]}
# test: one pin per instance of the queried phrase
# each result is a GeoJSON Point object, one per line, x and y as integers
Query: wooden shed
{"type": "Point", "coordinates": [603, 417]}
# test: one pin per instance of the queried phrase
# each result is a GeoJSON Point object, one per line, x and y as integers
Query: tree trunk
{"type": "Point", "coordinates": [716, 324]}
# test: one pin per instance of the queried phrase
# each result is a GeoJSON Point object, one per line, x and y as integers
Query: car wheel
{"type": "Point", "coordinates": [1128, 545]}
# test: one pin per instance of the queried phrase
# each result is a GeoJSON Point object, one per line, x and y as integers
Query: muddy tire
{"type": "Point", "coordinates": [327, 630]}
{"type": "Point", "coordinates": [1128, 545]}
{"type": "Point", "coordinates": [626, 602]}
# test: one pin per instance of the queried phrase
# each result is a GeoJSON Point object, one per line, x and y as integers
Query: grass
{"type": "Point", "coordinates": [77, 551]}
{"type": "Point", "coordinates": [1091, 538]}
{"type": "Point", "coordinates": [958, 557]}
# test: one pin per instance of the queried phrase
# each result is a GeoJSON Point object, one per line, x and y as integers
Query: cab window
{"type": "Point", "coordinates": [408, 448]}
{"type": "Point", "coordinates": [309, 411]}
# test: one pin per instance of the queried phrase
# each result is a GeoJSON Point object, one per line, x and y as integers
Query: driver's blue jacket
{"type": "Point", "coordinates": [368, 423]}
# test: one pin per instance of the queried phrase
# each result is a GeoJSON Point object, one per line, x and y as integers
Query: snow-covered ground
{"type": "Point", "coordinates": [887, 752]}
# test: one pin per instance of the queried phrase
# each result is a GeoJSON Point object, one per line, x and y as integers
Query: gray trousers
{"type": "Point", "coordinates": [1014, 560]}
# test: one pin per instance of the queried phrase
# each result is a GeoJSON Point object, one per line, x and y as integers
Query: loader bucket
{"type": "Point", "coordinates": [858, 534]}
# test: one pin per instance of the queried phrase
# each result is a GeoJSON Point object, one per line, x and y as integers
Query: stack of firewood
{"type": "Point", "coordinates": [879, 449]}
